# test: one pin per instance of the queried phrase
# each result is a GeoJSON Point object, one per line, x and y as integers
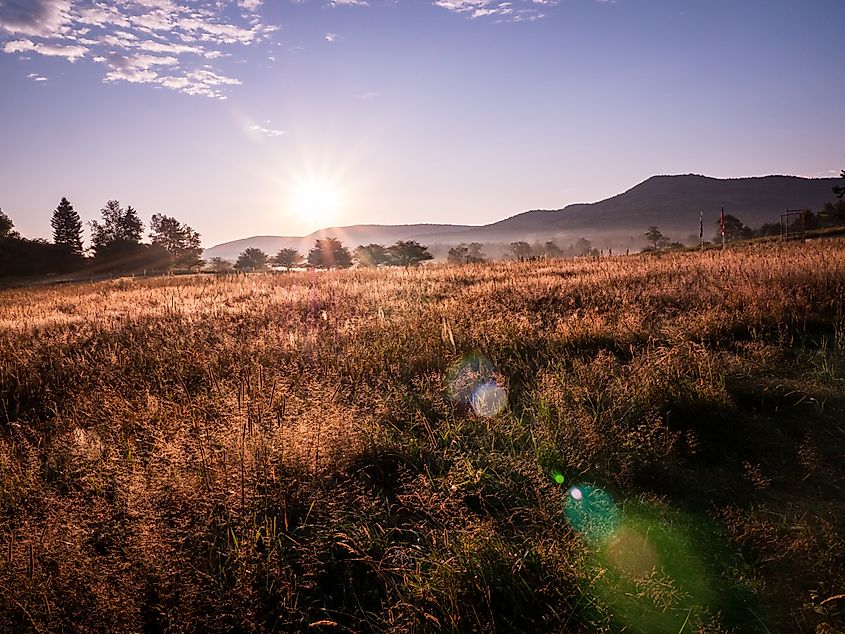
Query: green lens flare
{"type": "Point", "coordinates": [591, 512]}
{"type": "Point", "coordinates": [649, 568]}
{"type": "Point", "coordinates": [558, 477]}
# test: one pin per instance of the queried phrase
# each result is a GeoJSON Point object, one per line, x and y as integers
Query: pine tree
{"type": "Point", "coordinates": [131, 227]}
{"type": "Point", "coordinates": [67, 228]}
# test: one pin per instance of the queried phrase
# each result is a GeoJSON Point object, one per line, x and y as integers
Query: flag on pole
{"type": "Point", "coordinates": [722, 221]}
{"type": "Point", "coordinates": [701, 225]}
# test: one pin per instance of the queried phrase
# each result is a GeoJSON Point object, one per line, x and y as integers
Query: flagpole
{"type": "Point", "coordinates": [701, 230]}
{"type": "Point", "coordinates": [722, 224]}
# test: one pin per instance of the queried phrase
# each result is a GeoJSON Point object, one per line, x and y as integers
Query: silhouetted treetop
{"type": "Point", "coordinates": [408, 253]}
{"type": "Point", "coordinates": [252, 260]}
{"type": "Point", "coordinates": [288, 258]}
{"type": "Point", "coordinates": [328, 253]}
{"type": "Point", "coordinates": [179, 240]}
{"type": "Point", "coordinates": [6, 226]}
{"type": "Point", "coordinates": [67, 228]}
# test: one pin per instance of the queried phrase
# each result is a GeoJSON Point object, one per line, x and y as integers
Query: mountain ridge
{"type": "Point", "coordinates": [671, 201]}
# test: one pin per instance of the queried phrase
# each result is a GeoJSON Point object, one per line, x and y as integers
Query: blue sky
{"type": "Point", "coordinates": [243, 117]}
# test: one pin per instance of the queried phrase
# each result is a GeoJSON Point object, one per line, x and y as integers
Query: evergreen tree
{"type": "Point", "coordinates": [67, 228]}
{"type": "Point", "coordinates": [131, 227]}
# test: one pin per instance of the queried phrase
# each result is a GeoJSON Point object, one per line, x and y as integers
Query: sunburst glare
{"type": "Point", "coordinates": [315, 200]}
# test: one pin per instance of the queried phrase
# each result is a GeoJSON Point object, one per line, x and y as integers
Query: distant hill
{"type": "Point", "coordinates": [350, 236]}
{"type": "Point", "coordinates": [672, 203]}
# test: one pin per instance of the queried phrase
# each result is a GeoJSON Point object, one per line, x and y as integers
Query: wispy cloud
{"type": "Point", "coordinates": [36, 77]}
{"type": "Point", "coordinates": [163, 42]}
{"type": "Point", "coordinates": [516, 11]}
{"type": "Point", "coordinates": [263, 129]}
{"type": "Point", "coordinates": [70, 52]}
{"type": "Point", "coordinates": [330, 37]}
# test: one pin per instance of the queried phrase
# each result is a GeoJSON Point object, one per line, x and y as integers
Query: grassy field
{"type": "Point", "coordinates": [644, 443]}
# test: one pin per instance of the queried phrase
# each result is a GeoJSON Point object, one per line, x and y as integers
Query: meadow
{"type": "Point", "coordinates": [650, 443]}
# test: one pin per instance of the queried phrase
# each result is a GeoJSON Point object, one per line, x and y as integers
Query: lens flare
{"type": "Point", "coordinates": [488, 399]}
{"type": "Point", "coordinates": [591, 512]}
{"type": "Point", "coordinates": [557, 476]}
{"type": "Point", "coordinates": [473, 383]}
{"type": "Point", "coordinates": [647, 564]}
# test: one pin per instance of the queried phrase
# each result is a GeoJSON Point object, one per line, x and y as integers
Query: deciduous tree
{"type": "Point", "coordinates": [734, 230]}
{"type": "Point", "coordinates": [519, 250]}
{"type": "Point", "coordinates": [220, 266]}
{"type": "Point", "coordinates": [288, 258]}
{"type": "Point", "coordinates": [120, 228]}
{"type": "Point", "coordinates": [551, 249]}
{"type": "Point", "coordinates": [179, 240]}
{"type": "Point", "coordinates": [7, 226]}
{"type": "Point", "coordinates": [466, 253]}
{"type": "Point", "coordinates": [329, 253]}
{"type": "Point", "coordinates": [371, 255]}
{"type": "Point", "coordinates": [117, 240]}
{"type": "Point", "coordinates": [657, 239]}
{"type": "Point", "coordinates": [408, 253]}
{"type": "Point", "coordinates": [253, 259]}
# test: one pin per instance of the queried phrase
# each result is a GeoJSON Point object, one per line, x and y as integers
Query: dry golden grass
{"type": "Point", "coordinates": [285, 451]}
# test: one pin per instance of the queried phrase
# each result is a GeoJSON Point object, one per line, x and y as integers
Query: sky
{"type": "Point", "coordinates": [280, 117]}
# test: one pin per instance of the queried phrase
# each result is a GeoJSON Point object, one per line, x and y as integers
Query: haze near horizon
{"type": "Point", "coordinates": [256, 118]}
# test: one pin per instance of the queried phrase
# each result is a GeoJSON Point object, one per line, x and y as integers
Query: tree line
{"type": "Point", "coordinates": [116, 244]}
{"type": "Point", "coordinates": [117, 247]}
{"type": "Point", "coordinates": [327, 253]}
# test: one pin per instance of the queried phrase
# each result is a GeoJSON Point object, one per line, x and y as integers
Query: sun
{"type": "Point", "coordinates": [315, 201]}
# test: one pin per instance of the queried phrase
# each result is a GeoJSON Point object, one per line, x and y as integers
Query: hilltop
{"type": "Point", "coordinates": [671, 202]}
